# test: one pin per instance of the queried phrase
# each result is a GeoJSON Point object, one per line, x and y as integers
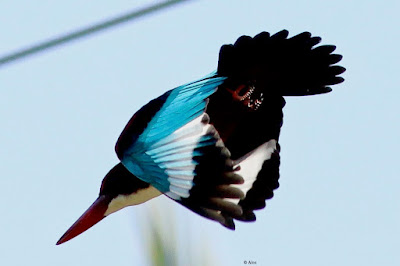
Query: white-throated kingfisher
{"type": "Point", "coordinates": [212, 144]}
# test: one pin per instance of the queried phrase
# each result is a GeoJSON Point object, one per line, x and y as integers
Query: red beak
{"type": "Point", "coordinates": [90, 217]}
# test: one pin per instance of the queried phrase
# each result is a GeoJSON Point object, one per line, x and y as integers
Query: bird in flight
{"type": "Point", "coordinates": [212, 145]}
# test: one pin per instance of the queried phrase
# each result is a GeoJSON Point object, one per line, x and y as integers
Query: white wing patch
{"type": "Point", "coordinates": [175, 152]}
{"type": "Point", "coordinates": [251, 164]}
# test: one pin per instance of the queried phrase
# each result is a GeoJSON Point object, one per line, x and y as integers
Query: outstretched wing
{"type": "Point", "coordinates": [163, 124]}
{"type": "Point", "coordinates": [284, 66]}
{"type": "Point", "coordinates": [170, 144]}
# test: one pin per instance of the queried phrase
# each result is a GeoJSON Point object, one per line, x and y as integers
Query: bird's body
{"type": "Point", "coordinates": [212, 144]}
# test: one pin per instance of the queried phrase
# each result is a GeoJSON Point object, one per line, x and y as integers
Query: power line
{"type": "Point", "coordinates": [62, 39]}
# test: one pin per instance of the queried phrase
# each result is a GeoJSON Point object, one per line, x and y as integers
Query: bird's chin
{"type": "Point", "coordinates": [138, 197]}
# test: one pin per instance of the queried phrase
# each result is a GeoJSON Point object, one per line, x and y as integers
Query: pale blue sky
{"type": "Point", "coordinates": [62, 111]}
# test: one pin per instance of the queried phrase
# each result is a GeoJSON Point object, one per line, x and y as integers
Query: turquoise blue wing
{"type": "Point", "coordinates": [193, 167]}
{"type": "Point", "coordinates": [169, 164]}
{"type": "Point", "coordinates": [166, 147]}
{"type": "Point", "coordinates": [182, 155]}
{"type": "Point", "coordinates": [183, 104]}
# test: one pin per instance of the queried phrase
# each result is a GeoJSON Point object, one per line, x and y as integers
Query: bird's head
{"type": "Point", "coordinates": [118, 190]}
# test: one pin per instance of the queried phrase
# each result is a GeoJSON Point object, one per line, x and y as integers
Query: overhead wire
{"type": "Point", "coordinates": [86, 31]}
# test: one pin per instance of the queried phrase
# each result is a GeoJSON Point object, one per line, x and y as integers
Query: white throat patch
{"type": "Point", "coordinates": [136, 198]}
